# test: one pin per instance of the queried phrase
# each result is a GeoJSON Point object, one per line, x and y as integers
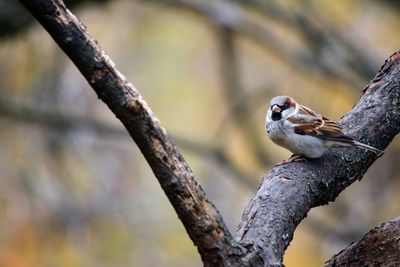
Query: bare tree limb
{"type": "Point", "coordinates": [289, 191]}
{"type": "Point", "coordinates": [380, 247]}
{"type": "Point", "coordinates": [199, 216]}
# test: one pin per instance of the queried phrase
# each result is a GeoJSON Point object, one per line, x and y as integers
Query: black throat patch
{"type": "Point", "coordinates": [276, 116]}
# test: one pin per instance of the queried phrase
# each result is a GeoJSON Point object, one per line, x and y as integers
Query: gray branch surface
{"type": "Point", "coordinates": [380, 247]}
{"type": "Point", "coordinates": [199, 216]}
{"type": "Point", "coordinates": [287, 192]}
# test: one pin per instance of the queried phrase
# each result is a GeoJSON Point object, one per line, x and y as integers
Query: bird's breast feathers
{"type": "Point", "coordinates": [283, 134]}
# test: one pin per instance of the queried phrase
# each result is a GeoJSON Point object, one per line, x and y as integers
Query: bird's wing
{"type": "Point", "coordinates": [308, 122]}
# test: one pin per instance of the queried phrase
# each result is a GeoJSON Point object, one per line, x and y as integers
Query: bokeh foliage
{"type": "Point", "coordinates": [74, 189]}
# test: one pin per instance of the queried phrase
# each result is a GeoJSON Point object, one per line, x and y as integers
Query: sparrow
{"type": "Point", "coordinates": [304, 132]}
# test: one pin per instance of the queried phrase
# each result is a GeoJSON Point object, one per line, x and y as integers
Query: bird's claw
{"type": "Point", "coordinates": [293, 158]}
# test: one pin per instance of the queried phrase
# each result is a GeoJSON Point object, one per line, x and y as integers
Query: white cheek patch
{"type": "Point", "coordinates": [286, 113]}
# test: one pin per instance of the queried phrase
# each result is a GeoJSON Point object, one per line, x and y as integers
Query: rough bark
{"type": "Point", "coordinates": [199, 216]}
{"type": "Point", "coordinates": [287, 192]}
{"type": "Point", "coordinates": [380, 247]}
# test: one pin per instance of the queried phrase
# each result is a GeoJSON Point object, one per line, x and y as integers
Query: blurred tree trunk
{"type": "Point", "coordinates": [287, 192]}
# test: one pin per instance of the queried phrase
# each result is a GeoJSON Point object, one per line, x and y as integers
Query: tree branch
{"type": "Point", "coordinates": [199, 216]}
{"type": "Point", "coordinates": [380, 247]}
{"type": "Point", "coordinates": [289, 191]}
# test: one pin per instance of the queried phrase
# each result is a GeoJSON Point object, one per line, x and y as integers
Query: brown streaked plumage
{"type": "Point", "coordinates": [309, 122]}
{"type": "Point", "coordinates": [305, 132]}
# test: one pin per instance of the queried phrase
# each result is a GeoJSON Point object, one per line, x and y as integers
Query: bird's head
{"type": "Point", "coordinates": [281, 107]}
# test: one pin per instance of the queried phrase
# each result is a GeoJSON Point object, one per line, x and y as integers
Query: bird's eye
{"type": "Point", "coordinates": [284, 107]}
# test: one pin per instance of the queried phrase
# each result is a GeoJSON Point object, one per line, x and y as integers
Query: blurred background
{"type": "Point", "coordinates": [76, 191]}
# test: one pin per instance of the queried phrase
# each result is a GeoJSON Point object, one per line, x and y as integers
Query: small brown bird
{"type": "Point", "coordinates": [305, 132]}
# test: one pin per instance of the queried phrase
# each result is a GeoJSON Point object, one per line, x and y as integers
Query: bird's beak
{"type": "Point", "coordinates": [276, 109]}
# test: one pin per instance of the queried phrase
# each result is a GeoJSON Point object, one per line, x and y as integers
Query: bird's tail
{"type": "Point", "coordinates": [338, 141]}
{"type": "Point", "coordinates": [378, 152]}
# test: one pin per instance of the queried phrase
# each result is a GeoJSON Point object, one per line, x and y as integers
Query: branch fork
{"type": "Point", "coordinates": [279, 205]}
